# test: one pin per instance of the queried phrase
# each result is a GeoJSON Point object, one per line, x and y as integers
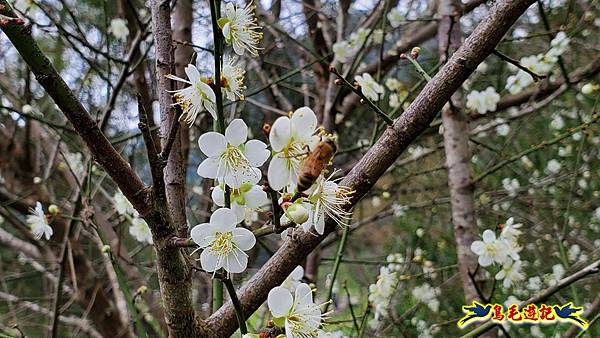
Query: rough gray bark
{"type": "Point", "coordinates": [174, 272]}
{"type": "Point", "coordinates": [381, 156]}
{"type": "Point", "coordinates": [175, 171]}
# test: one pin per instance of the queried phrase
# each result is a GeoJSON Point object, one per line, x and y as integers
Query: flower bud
{"type": "Point", "coordinates": [53, 209]}
{"type": "Point", "coordinates": [106, 249]}
{"type": "Point", "coordinates": [588, 88]}
{"type": "Point", "coordinates": [142, 290]}
{"type": "Point", "coordinates": [338, 82]}
{"type": "Point", "coordinates": [403, 56]}
{"type": "Point", "coordinates": [37, 180]}
{"type": "Point", "coordinates": [332, 69]}
{"type": "Point", "coordinates": [414, 53]}
{"type": "Point", "coordinates": [297, 213]}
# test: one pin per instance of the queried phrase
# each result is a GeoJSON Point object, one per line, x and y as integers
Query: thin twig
{"type": "Point", "coordinates": [536, 77]}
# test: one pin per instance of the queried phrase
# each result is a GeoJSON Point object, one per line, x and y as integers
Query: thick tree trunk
{"type": "Point", "coordinates": [175, 171]}
{"type": "Point", "coordinates": [456, 145]}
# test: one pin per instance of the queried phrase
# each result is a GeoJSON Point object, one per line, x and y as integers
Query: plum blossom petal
{"type": "Point", "coordinates": [212, 144]}
{"type": "Point", "coordinates": [280, 301]}
{"type": "Point", "coordinates": [209, 168]}
{"type": "Point", "coordinates": [203, 234]}
{"type": "Point", "coordinates": [236, 133]}
{"type": "Point", "coordinates": [256, 152]}
{"type": "Point", "coordinates": [243, 238]}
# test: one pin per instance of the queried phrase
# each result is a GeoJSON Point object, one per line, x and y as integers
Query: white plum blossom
{"type": "Point", "coordinates": [428, 295]}
{"type": "Point", "coordinates": [534, 283]}
{"type": "Point", "coordinates": [140, 231]}
{"type": "Point", "coordinates": [558, 272]}
{"type": "Point", "coordinates": [491, 250]}
{"type": "Point", "coordinates": [291, 138]}
{"type": "Point", "coordinates": [503, 129]}
{"type": "Point", "coordinates": [395, 17]}
{"type": "Point", "coordinates": [122, 204]}
{"type": "Point", "coordinates": [223, 243]}
{"type": "Point", "coordinates": [553, 166]}
{"type": "Point", "coordinates": [240, 28]}
{"type": "Point", "coordinates": [557, 122]}
{"type": "Point", "coordinates": [369, 87]}
{"type": "Point", "coordinates": [297, 313]}
{"type": "Point", "coordinates": [38, 223]}
{"type": "Point", "coordinates": [343, 51]}
{"type": "Point", "coordinates": [511, 186]}
{"type": "Point", "coordinates": [326, 197]}
{"type": "Point", "coordinates": [399, 210]}
{"type": "Point", "coordinates": [483, 101]}
{"type": "Point", "coordinates": [244, 200]}
{"type": "Point", "coordinates": [230, 159]}
{"type": "Point", "coordinates": [510, 273]}
{"type": "Point", "coordinates": [393, 84]}
{"type": "Point", "coordinates": [381, 293]}
{"type": "Point", "coordinates": [232, 79]}
{"type": "Point", "coordinates": [559, 45]}
{"type": "Point", "coordinates": [538, 64]}
{"type": "Point", "coordinates": [294, 279]}
{"type": "Point", "coordinates": [511, 231]}
{"type": "Point", "coordinates": [195, 98]}
{"type": "Point", "coordinates": [118, 28]}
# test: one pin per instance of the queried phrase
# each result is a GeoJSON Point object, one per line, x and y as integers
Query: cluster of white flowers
{"type": "Point", "coordinates": [424, 330]}
{"type": "Point", "coordinates": [290, 138]}
{"type": "Point", "coordinates": [139, 228]}
{"type": "Point", "coordinates": [427, 294]}
{"type": "Point", "coordinates": [483, 101]}
{"type": "Point", "coordinates": [345, 50]}
{"type": "Point", "coordinates": [540, 64]}
{"type": "Point", "coordinates": [382, 292]}
{"type": "Point", "coordinates": [511, 186]}
{"type": "Point", "coordinates": [398, 92]}
{"type": "Point", "coordinates": [38, 223]}
{"type": "Point", "coordinates": [553, 166]}
{"type": "Point", "coordinates": [503, 250]}
{"type": "Point", "coordinates": [240, 29]}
